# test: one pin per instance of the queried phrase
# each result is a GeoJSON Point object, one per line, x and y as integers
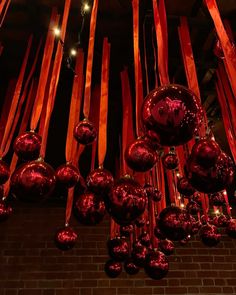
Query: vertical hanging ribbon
{"type": "Point", "coordinates": [145, 58]}
{"type": "Point", "coordinates": [43, 78]}
{"type": "Point", "coordinates": [1, 49]}
{"type": "Point", "coordinates": [4, 5]}
{"type": "Point", "coordinates": [15, 100]}
{"type": "Point", "coordinates": [88, 82]}
{"type": "Point", "coordinates": [102, 139]}
{"type": "Point", "coordinates": [227, 47]}
{"type": "Point", "coordinates": [155, 58]}
{"type": "Point", "coordinates": [163, 21]}
{"type": "Point", "coordinates": [55, 78]}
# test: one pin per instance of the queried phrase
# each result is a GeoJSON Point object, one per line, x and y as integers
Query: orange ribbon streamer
{"type": "Point", "coordinates": [227, 47]}
{"type": "Point", "coordinates": [145, 58]}
{"type": "Point", "coordinates": [55, 78]}
{"type": "Point", "coordinates": [15, 100]}
{"type": "Point", "coordinates": [87, 93]}
{"type": "Point", "coordinates": [4, 5]}
{"type": "Point", "coordinates": [102, 139]}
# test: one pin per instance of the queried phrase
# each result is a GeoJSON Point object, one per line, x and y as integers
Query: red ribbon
{"type": "Point", "coordinates": [4, 5]}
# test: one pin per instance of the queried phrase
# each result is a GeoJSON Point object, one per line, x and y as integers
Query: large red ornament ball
{"type": "Point", "coordinates": [140, 155]}
{"type": "Point", "coordinates": [33, 181]}
{"type": "Point", "coordinates": [231, 229]}
{"type": "Point", "coordinates": [127, 201]}
{"type": "Point", "coordinates": [4, 172]}
{"type": "Point", "coordinates": [153, 193]}
{"type": "Point", "coordinates": [118, 249]}
{"type": "Point", "coordinates": [209, 235]}
{"type": "Point", "coordinates": [126, 230]}
{"type": "Point", "coordinates": [89, 209]}
{"type": "Point", "coordinates": [67, 175]}
{"type": "Point", "coordinates": [171, 114]}
{"type": "Point", "coordinates": [5, 211]}
{"type": "Point", "coordinates": [130, 267]}
{"type": "Point", "coordinates": [113, 268]}
{"type": "Point", "coordinates": [184, 187]}
{"type": "Point", "coordinates": [139, 254]}
{"type": "Point", "coordinates": [157, 265]}
{"type": "Point", "coordinates": [27, 146]}
{"type": "Point", "coordinates": [167, 247]}
{"type": "Point", "coordinates": [85, 132]}
{"type": "Point", "coordinates": [217, 199]}
{"type": "Point", "coordinates": [65, 238]}
{"type": "Point", "coordinates": [170, 161]}
{"type": "Point", "coordinates": [100, 181]}
{"type": "Point", "coordinates": [174, 223]}
{"type": "Point", "coordinates": [158, 234]}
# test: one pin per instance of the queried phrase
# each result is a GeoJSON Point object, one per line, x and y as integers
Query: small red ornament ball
{"type": "Point", "coordinates": [209, 235]}
{"type": "Point", "coordinates": [4, 172]}
{"type": "Point", "coordinates": [193, 207]}
{"type": "Point", "coordinates": [27, 146]}
{"type": "Point", "coordinates": [217, 199]}
{"type": "Point", "coordinates": [153, 193]}
{"type": "Point", "coordinates": [118, 249]}
{"type": "Point", "coordinates": [33, 181]}
{"type": "Point", "coordinates": [89, 209]}
{"type": "Point", "coordinates": [65, 238]}
{"type": "Point", "coordinates": [5, 211]}
{"type": "Point", "coordinates": [126, 230]}
{"type": "Point", "coordinates": [100, 181]}
{"type": "Point", "coordinates": [157, 265]}
{"type": "Point", "coordinates": [67, 175]}
{"type": "Point", "coordinates": [140, 155]}
{"type": "Point", "coordinates": [184, 187]}
{"type": "Point", "coordinates": [85, 132]}
{"type": "Point", "coordinates": [231, 229]}
{"type": "Point", "coordinates": [170, 161]}
{"type": "Point", "coordinates": [113, 268]}
{"type": "Point", "coordinates": [171, 114]}
{"type": "Point", "coordinates": [144, 239]}
{"type": "Point", "coordinates": [167, 247]}
{"type": "Point", "coordinates": [127, 201]}
{"type": "Point", "coordinates": [140, 222]}
{"type": "Point", "coordinates": [130, 267]}
{"type": "Point", "coordinates": [139, 254]}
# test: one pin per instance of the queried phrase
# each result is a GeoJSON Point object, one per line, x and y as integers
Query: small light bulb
{"type": "Point", "coordinates": [86, 7]}
{"type": "Point", "coordinates": [182, 205]}
{"type": "Point", "coordinates": [230, 208]}
{"type": "Point", "coordinates": [217, 211]}
{"type": "Point", "coordinates": [225, 193]}
{"type": "Point", "coordinates": [179, 198]}
{"type": "Point", "coordinates": [177, 174]}
{"type": "Point", "coordinates": [73, 52]}
{"type": "Point", "coordinates": [57, 32]}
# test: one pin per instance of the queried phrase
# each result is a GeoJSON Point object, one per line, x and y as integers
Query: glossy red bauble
{"type": "Point", "coordinates": [85, 132]}
{"type": "Point", "coordinates": [140, 155]}
{"type": "Point", "coordinates": [196, 226]}
{"type": "Point", "coordinates": [65, 238]}
{"type": "Point", "coordinates": [89, 209]}
{"type": "Point", "coordinates": [67, 175]}
{"type": "Point", "coordinates": [193, 207]}
{"type": "Point", "coordinates": [158, 234]}
{"type": "Point", "coordinates": [118, 249]}
{"type": "Point", "coordinates": [126, 230]}
{"type": "Point", "coordinates": [209, 235]}
{"type": "Point", "coordinates": [184, 187]}
{"type": "Point", "coordinates": [157, 265]}
{"type": "Point", "coordinates": [33, 181]}
{"type": "Point", "coordinates": [100, 181]}
{"type": "Point", "coordinates": [153, 193]}
{"type": "Point", "coordinates": [127, 201]}
{"type": "Point", "coordinates": [4, 172]}
{"type": "Point", "coordinates": [145, 239]}
{"type": "Point", "coordinates": [5, 211]}
{"type": "Point", "coordinates": [139, 254]}
{"type": "Point", "coordinates": [27, 146]}
{"type": "Point", "coordinates": [221, 221]}
{"type": "Point", "coordinates": [217, 199]}
{"type": "Point", "coordinates": [231, 229]}
{"type": "Point", "coordinates": [171, 114]}
{"type": "Point", "coordinates": [140, 222]}
{"type": "Point", "coordinates": [170, 161]}
{"type": "Point", "coordinates": [167, 247]}
{"type": "Point", "coordinates": [113, 268]}
{"type": "Point", "coordinates": [130, 267]}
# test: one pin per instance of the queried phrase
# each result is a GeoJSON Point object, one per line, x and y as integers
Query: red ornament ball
{"type": "Point", "coordinates": [171, 114]}
{"type": "Point", "coordinates": [167, 247]}
{"type": "Point", "coordinates": [153, 193]}
{"type": "Point", "coordinates": [130, 267]}
{"type": "Point", "coordinates": [127, 201]}
{"type": "Point", "coordinates": [158, 234]}
{"type": "Point", "coordinates": [209, 235]}
{"type": "Point", "coordinates": [113, 268]}
{"type": "Point", "coordinates": [1, 192]}
{"type": "Point", "coordinates": [100, 181]}
{"type": "Point", "coordinates": [5, 210]}
{"type": "Point", "coordinates": [140, 155]}
{"type": "Point", "coordinates": [67, 175]}
{"type": "Point", "coordinates": [139, 254]}
{"type": "Point", "coordinates": [33, 181]}
{"type": "Point", "coordinates": [231, 229]}
{"type": "Point", "coordinates": [126, 230]}
{"type": "Point", "coordinates": [170, 161]}
{"type": "Point", "coordinates": [140, 222]}
{"type": "Point", "coordinates": [118, 249]}
{"type": "Point", "coordinates": [145, 239]}
{"type": "Point", "coordinates": [27, 146]}
{"type": "Point", "coordinates": [85, 132]}
{"type": "Point", "coordinates": [65, 238]}
{"type": "Point", "coordinates": [184, 187]}
{"type": "Point", "coordinates": [4, 172]}
{"type": "Point", "coordinates": [221, 221]}
{"type": "Point", "coordinates": [193, 207]}
{"type": "Point", "coordinates": [89, 209]}
{"type": "Point", "coordinates": [217, 199]}
{"type": "Point", "coordinates": [157, 265]}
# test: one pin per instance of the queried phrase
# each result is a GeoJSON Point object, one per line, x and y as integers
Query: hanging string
{"type": "Point", "coordinates": [145, 58]}
{"type": "Point", "coordinates": [15, 100]}
{"type": "Point", "coordinates": [102, 139]}
{"type": "Point", "coordinates": [1, 49]}
{"type": "Point", "coordinates": [155, 58]}
{"type": "Point", "coordinates": [87, 93]}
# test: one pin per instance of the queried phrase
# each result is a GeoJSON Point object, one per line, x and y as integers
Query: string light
{"type": "Point", "coordinates": [179, 198]}
{"type": "Point", "coordinates": [86, 7]}
{"type": "Point", "coordinates": [217, 211]}
{"type": "Point", "coordinates": [177, 174]}
{"type": "Point", "coordinates": [57, 31]}
{"type": "Point", "coordinates": [182, 205]}
{"type": "Point", "coordinates": [73, 52]}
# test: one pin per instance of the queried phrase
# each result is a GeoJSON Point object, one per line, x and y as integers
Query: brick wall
{"type": "Point", "coordinates": [31, 265]}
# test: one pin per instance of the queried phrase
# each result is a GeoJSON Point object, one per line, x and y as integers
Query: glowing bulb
{"type": "Point", "coordinates": [57, 32]}
{"type": "Point", "coordinates": [73, 52]}
{"type": "Point", "coordinates": [230, 208]}
{"type": "Point", "coordinates": [179, 198]}
{"type": "Point", "coordinates": [86, 7]}
{"type": "Point", "coordinates": [217, 211]}
{"type": "Point", "coordinates": [182, 205]}
{"type": "Point", "coordinates": [225, 193]}
{"type": "Point", "coordinates": [177, 174]}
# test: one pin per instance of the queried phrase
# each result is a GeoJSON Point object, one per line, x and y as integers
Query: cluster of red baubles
{"type": "Point", "coordinates": [171, 116]}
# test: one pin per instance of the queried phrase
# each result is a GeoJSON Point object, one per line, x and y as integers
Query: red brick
{"type": "Point", "coordinates": [211, 290]}
{"type": "Point", "coordinates": [175, 290]}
